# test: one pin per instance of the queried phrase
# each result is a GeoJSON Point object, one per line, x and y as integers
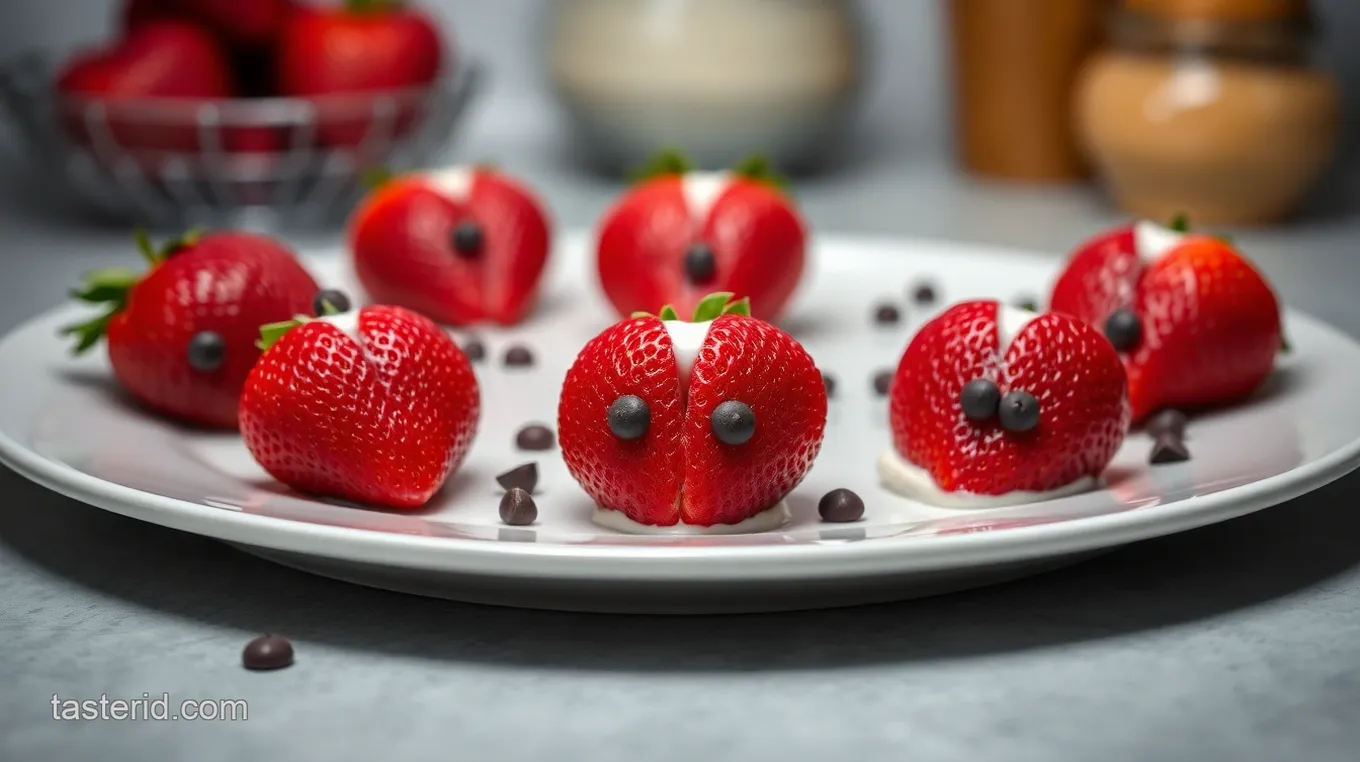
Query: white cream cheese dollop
{"type": "Point", "coordinates": [346, 322]}
{"type": "Point", "coordinates": [454, 182]}
{"type": "Point", "coordinates": [1153, 241]}
{"type": "Point", "coordinates": [702, 190]}
{"type": "Point", "coordinates": [912, 481]}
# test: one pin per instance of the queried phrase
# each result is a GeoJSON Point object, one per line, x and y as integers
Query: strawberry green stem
{"type": "Point", "coordinates": [760, 169]}
{"type": "Point", "coordinates": [666, 162]}
{"type": "Point", "coordinates": [373, 6]}
{"type": "Point", "coordinates": [709, 308]}
{"type": "Point", "coordinates": [374, 178]}
{"type": "Point", "coordinates": [272, 332]}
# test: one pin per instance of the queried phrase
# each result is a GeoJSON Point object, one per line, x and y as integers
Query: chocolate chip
{"type": "Point", "coordinates": [1168, 449]}
{"type": "Point", "coordinates": [1019, 412]}
{"type": "Point", "coordinates": [733, 422]}
{"type": "Point", "coordinates": [267, 652]}
{"type": "Point", "coordinates": [980, 399]}
{"type": "Point", "coordinates": [331, 302]}
{"type": "Point", "coordinates": [518, 356]}
{"type": "Point", "coordinates": [829, 381]}
{"type": "Point", "coordinates": [468, 239]}
{"type": "Point", "coordinates": [701, 267]}
{"type": "Point", "coordinates": [887, 314]}
{"type": "Point", "coordinates": [629, 417]}
{"type": "Point", "coordinates": [207, 351]}
{"type": "Point", "coordinates": [523, 477]}
{"type": "Point", "coordinates": [924, 293]}
{"type": "Point", "coordinates": [1123, 329]}
{"type": "Point", "coordinates": [840, 506]}
{"type": "Point", "coordinates": [475, 350]}
{"type": "Point", "coordinates": [1169, 421]}
{"type": "Point", "coordinates": [517, 508]}
{"type": "Point", "coordinates": [535, 437]}
{"type": "Point", "coordinates": [1027, 303]}
{"type": "Point", "coordinates": [883, 382]}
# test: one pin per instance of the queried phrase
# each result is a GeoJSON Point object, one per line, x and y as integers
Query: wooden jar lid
{"type": "Point", "coordinates": [1222, 10]}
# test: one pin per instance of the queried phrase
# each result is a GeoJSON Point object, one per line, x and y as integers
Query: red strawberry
{"type": "Point", "coordinates": [377, 406]}
{"type": "Point", "coordinates": [681, 234]}
{"type": "Point", "coordinates": [363, 48]}
{"type": "Point", "coordinates": [990, 400]}
{"type": "Point", "coordinates": [249, 23]}
{"type": "Point", "coordinates": [1195, 323]}
{"type": "Point", "coordinates": [181, 338]}
{"type": "Point", "coordinates": [464, 245]}
{"type": "Point", "coordinates": [138, 13]}
{"type": "Point", "coordinates": [705, 423]}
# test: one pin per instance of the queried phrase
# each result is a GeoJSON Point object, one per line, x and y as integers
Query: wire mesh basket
{"type": "Point", "coordinates": [263, 163]}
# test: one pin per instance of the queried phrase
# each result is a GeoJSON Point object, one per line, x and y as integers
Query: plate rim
{"type": "Point", "coordinates": [714, 563]}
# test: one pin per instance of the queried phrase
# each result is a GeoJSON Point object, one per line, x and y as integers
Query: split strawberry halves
{"type": "Point", "coordinates": [703, 423]}
{"type": "Point", "coordinates": [462, 246]}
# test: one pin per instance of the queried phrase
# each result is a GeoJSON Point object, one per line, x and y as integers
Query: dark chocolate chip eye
{"type": "Point", "coordinates": [980, 399]}
{"type": "Point", "coordinates": [629, 417]}
{"type": "Point", "coordinates": [468, 239]}
{"type": "Point", "coordinates": [1019, 412]}
{"type": "Point", "coordinates": [207, 351]}
{"type": "Point", "coordinates": [330, 302]}
{"type": "Point", "coordinates": [1123, 329]}
{"type": "Point", "coordinates": [700, 264]}
{"type": "Point", "coordinates": [733, 422]}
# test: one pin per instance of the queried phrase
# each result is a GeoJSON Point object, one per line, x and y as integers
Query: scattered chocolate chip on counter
{"type": "Point", "coordinates": [1169, 422]}
{"type": "Point", "coordinates": [883, 382]}
{"type": "Point", "coordinates": [924, 293]}
{"type": "Point", "coordinates": [518, 508]}
{"type": "Point", "coordinates": [840, 506]}
{"type": "Point", "coordinates": [523, 477]}
{"type": "Point", "coordinates": [475, 350]}
{"type": "Point", "coordinates": [267, 652]}
{"type": "Point", "coordinates": [518, 356]}
{"type": "Point", "coordinates": [829, 381]}
{"type": "Point", "coordinates": [1168, 449]}
{"type": "Point", "coordinates": [887, 314]}
{"type": "Point", "coordinates": [535, 437]}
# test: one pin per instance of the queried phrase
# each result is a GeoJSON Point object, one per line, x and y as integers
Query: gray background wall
{"type": "Point", "coordinates": [907, 105]}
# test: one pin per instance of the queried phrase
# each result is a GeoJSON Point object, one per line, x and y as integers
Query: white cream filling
{"type": "Point", "coordinates": [911, 481]}
{"type": "Point", "coordinates": [453, 182]}
{"type": "Point", "coordinates": [765, 521]}
{"type": "Point", "coordinates": [1010, 321]}
{"type": "Point", "coordinates": [688, 339]}
{"type": "Point", "coordinates": [1152, 241]}
{"type": "Point", "coordinates": [701, 191]}
{"type": "Point", "coordinates": [346, 322]}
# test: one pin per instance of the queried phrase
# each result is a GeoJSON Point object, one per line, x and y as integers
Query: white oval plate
{"type": "Point", "coordinates": [64, 424]}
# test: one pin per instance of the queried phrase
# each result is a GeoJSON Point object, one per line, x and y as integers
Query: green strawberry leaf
{"type": "Point", "coordinates": [668, 313]}
{"type": "Point", "coordinates": [144, 245]}
{"type": "Point", "coordinates": [1180, 223]}
{"type": "Point", "coordinates": [376, 177]}
{"type": "Point", "coordinates": [667, 161]}
{"type": "Point", "coordinates": [1285, 346]}
{"type": "Point", "coordinates": [641, 314]}
{"type": "Point", "coordinates": [760, 168]}
{"type": "Point", "coordinates": [89, 333]}
{"type": "Point", "coordinates": [271, 333]}
{"type": "Point", "coordinates": [711, 306]}
{"type": "Point", "coordinates": [741, 306]}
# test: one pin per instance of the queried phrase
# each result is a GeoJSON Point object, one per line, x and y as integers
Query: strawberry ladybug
{"type": "Point", "coordinates": [1195, 323]}
{"type": "Point", "coordinates": [706, 424]}
{"type": "Point", "coordinates": [181, 338]}
{"type": "Point", "coordinates": [992, 405]}
{"type": "Point", "coordinates": [462, 245]}
{"type": "Point", "coordinates": [681, 234]}
{"type": "Point", "coordinates": [377, 406]}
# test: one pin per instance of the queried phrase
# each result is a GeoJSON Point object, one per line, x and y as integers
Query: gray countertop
{"type": "Point", "coordinates": [1235, 642]}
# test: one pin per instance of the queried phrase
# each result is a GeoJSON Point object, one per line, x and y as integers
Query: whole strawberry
{"type": "Point", "coordinates": [1195, 323]}
{"type": "Point", "coordinates": [991, 404]}
{"type": "Point", "coordinates": [707, 423]}
{"type": "Point", "coordinates": [377, 406]}
{"type": "Point", "coordinates": [181, 337]}
{"type": "Point", "coordinates": [680, 235]}
{"type": "Point", "coordinates": [462, 245]}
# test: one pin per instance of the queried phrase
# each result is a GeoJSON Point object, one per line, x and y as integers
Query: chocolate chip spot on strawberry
{"type": "Point", "coordinates": [1168, 449]}
{"type": "Point", "coordinates": [980, 399]}
{"type": "Point", "coordinates": [883, 382]}
{"type": "Point", "coordinates": [474, 349]}
{"type": "Point", "coordinates": [840, 506]}
{"type": "Point", "coordinates": [267, 652]}
{"type": "Point", "coordinates": [1019, 412]}
{"type": "Point", "coordinates": [518, 356]}
{"type": "Point", "coordinates": [523, 477]}
{"type": "Point", "coordinates": [701, 266]}
{"type": "Point", "coordinates": [1167, 422]}
{"type": "Point", "coordinates": [207, 351]}
{"type": "Point", "coordinates": [1123, 329]}
{"type": "Point", "coordinates": [535, 437]}
{"type": "Point", "coordinates": [887, 314]}
{"type": "Point", "coordinates": [829, 381]}
{"type": "Point", "coordinates": [468, 239]}
{"type": "Point", "coordinates": [629, 417]}
{"type": "Point", "coordinates": [518, 508]}
{"type": "Point", "coordinates": [330, 302]}
{"type": "Point", "coordinates": [924, 293]}
{"type": "Point", "coordinates": [733, 422]}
